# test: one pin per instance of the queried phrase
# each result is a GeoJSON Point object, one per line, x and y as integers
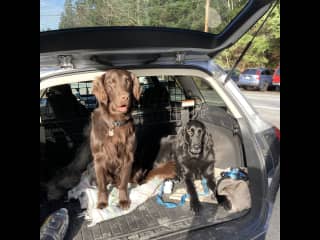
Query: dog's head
{"type": "Point", "coordinates": [115, 89]}
{"type": "Point", "coordinates": [195, 137]}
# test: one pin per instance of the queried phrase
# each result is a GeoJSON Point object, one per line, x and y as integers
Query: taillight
{"type": "Point", "coordinates": [258, 75]}
{"type": "Point", "coordinates": [277, 132]}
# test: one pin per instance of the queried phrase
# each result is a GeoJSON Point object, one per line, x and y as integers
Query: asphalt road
{"type": "Point", "coordinates": [267, 105]}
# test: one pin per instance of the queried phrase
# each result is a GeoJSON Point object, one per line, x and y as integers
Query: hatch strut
{"type": "Point", "coordinates": [248, 45]}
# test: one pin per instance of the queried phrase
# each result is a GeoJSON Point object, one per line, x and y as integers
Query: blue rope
{"type": "Point", "coordinates": [183, 197]}
{"type": "Point", "coordinates": [234, 173]}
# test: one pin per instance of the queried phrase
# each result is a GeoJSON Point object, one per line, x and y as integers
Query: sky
{"type": "Point", "coordinates": [50, 11]}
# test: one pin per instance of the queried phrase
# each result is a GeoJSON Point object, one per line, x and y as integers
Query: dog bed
{"type": "Point", "coordinates": [87, 196]}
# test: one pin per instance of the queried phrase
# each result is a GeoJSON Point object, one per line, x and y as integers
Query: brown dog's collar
{"type": "Point", "coordinates": [119, 123]}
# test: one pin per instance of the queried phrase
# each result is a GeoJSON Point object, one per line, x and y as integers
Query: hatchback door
{"type": "Point", "coordinates": [146, 37]}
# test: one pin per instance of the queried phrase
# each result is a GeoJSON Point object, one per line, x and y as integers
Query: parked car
{"type": "Point", "coordinates": [256, 78]}
{"type": "Point", "coordinates": [234, 75]}
{"type": "Point", "coordinates": [183, 62]}
{"type": "Point", "coordinates": [276, 78]}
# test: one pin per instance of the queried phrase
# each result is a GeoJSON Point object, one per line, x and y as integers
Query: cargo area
{"type": "Point", "coordinates": [65, 114]}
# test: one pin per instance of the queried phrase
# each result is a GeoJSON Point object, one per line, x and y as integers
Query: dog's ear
{"type": "Point", "coordinates": [98, 89]}
{"type": "Point", "coordinates": [182, 137]}
{"type": "Point", "coordinates": [208, 142]}
{"type": "Point", "coordinates": [136, 90]}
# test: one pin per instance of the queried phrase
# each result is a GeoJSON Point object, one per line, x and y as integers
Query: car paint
{"type": "Point", "coordinates": [276, 77]}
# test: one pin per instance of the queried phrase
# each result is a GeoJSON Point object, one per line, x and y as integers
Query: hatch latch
{"type": "Point", "coordinates": [65, 61]}
{"type": "Point", "coordinates": [180, 57]}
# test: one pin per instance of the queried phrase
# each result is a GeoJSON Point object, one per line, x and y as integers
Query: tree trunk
{"type": "Point", "coordinates": [206, 16]}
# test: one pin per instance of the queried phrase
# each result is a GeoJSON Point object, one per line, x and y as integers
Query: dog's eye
{"type": "Point", "coordinates": [111, 82]}
{"type": "Point", "coordinates": [127, 81]}
{"type": "Point", "coordinates": [190, 131]}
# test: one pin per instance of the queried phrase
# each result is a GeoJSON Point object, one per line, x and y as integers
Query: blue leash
{"type": "Point", "coordinates": [183, 197]}
{"type": "Point", "coordinates": [234, 173]}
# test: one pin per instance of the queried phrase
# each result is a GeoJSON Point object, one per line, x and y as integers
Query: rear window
{"type": "Point", "coordinates": [160, 100]}
{"type": "Point", "coordinates": [250, 71]}
{"type": "Point", "coordinates": [267, 72]}
{"type": "Point", "coordinates": [211, 97]}
{"type": "Point", "coordinates": [59, 14]}
{"type": "Point", "coordinates": [278, 71]}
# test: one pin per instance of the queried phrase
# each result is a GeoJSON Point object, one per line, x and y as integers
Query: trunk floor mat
{"type": "Point", "coordinates": [148, 221]}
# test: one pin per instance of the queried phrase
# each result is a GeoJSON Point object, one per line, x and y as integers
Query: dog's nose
{"type": "Point", "coordinates": [125, 97]}
{"type": "Point", "coordinates": [196, 146]}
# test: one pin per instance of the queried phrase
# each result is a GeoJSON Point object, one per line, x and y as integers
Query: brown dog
{"type": "Point", "coordinates": [112, 138]}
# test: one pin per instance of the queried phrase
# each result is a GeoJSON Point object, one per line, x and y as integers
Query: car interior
{"type": "Point", "coordinates": [65, 112]}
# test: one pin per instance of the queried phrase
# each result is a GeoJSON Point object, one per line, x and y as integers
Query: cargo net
{"type": "Point", "coordinates": [162, 101]}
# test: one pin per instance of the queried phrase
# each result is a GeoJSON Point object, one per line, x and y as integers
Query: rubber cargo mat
{"type": "Point", "coordinates": [149, 221]}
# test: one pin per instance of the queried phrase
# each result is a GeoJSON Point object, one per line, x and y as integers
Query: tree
{"type": "Point", "coordinates": [68, 16]}
{"type": "Point", "coordinates": [169, 13]}
{"type": "Point", "coordinates": [265, 50]}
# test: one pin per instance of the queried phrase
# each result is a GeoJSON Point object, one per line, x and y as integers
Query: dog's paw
{"type": "Point", "coordinates": [224, 202]}
{"type": "Point", "coordinates": [124, 204]}
{"type": "Point", "coordinates": [195, 206]}
{"type": "Point", "coordinates": [226, 205]}
{"type": "Point", "coordinates": [102, 205]}
{"type": "Point", "coordinates": [102, 201]}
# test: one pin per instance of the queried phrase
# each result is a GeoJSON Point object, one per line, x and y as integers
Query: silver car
{"type": "Point", "coordinates": [182, 64]}
{"type": "Point", "coordinates": [256, 78]}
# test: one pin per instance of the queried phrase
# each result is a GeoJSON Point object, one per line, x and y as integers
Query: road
{"type": "Point", "coordinates": [267, 105]}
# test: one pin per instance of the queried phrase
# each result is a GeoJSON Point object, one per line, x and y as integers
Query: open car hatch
{"type": "Point", "coordinates": [87, 47]}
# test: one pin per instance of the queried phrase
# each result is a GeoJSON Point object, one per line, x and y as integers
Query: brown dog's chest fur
{"type": "Point", "coordinates": [116, 146]}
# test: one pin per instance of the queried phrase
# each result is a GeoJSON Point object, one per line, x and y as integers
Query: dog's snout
{"type": "Point", "coordinates": [124, 97]}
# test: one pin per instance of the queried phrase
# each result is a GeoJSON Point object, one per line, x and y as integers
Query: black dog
{"type": "Point", "coordinates": [191, 151]}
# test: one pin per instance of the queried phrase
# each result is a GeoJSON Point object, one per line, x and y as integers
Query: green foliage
{"type": "Point", "coordinates": [265, 50]}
